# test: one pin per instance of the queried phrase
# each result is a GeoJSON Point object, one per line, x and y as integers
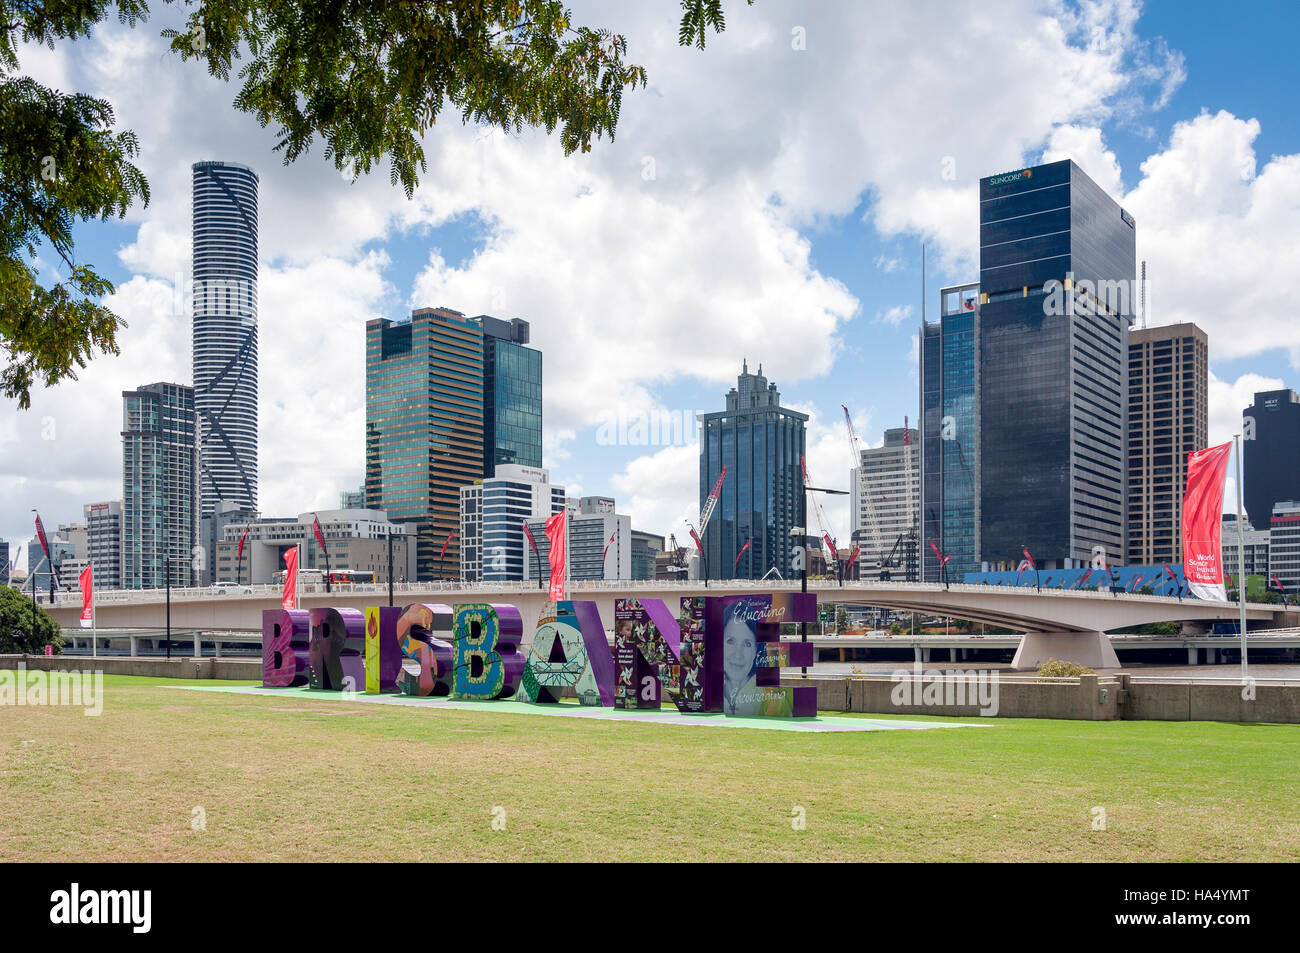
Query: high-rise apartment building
{"type": "Point", "coordinates": [1271, 452]}
{"type": "Point", "coordinates": [424, 427]}
{"type": "Point", "coordinates": [104, 542]}
{"type": "Point", "coordinates": [885, 501]}
{"type": "Point", "coordinates": [761, 444]}
{"type": "Point", "coordinates": [512, 395]}
{"type": "Point", "coordinates": [1254, 544]}
{"type": "Point", "coordinates": [950, 435]}
{"type": "Point", "coordinates": [1057, 270]}
{"type": "Point", "coordinates": [493, 547]}
{"type": "Point", "coordinates": [160, 515]}
{"type": "Point", "coordinates": [1168, 417]}
{"type": "Point", "coordinates": [225, 332]}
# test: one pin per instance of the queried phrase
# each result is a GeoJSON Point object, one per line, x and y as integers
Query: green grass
{"type": "Point", "coordinates": [295, 779]}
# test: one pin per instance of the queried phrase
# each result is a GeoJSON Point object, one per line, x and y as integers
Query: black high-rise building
{"type": "Point", "coordinates": [1057, 270]}
{"type": "Point", "coordinates": [760, 443]}
{"type": "Point", "coordinates": [1271, 442]}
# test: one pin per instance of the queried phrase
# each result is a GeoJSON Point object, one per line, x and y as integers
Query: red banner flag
{"type": "Point", "coordinates": [320, 537]}
{"type": "Point", "coordinates": [445, 543]}
{"type": "Point", "coordinates": [1207, 470]}
{"type": "Point", "coordinates": [556, 529]}
{"type": "Point", "coordinates": [45, 546]}
{"type": "Point", "coordinates": [698, 545]}
{"type": "Point", "coordinates": [607, 545]}
{"type": "Point", "coordinates": [1137, 581]}
{"type": "Point", "coordinates": [289, 600]}
{"type": "Point", "coordinates": [741, 553]}
{"type": "Point", "coordinates": [239, 552]}
{"type": "Point", "coordinates": [531, 542]}
{"type": "Point", "coordinates": [943, 560]}
{"type": "Point", "coordinates": [1082, 579]}
{"type": "Point", "coordinates": [830, 544]}
{"type": "Point", "coordinates": [87, 596]}
{"type": "Point", "coordinates": [1029, 559]}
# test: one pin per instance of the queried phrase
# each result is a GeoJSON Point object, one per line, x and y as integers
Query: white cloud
{"type": "Point", "coordinates": [1227, 400]}
{"type": "Point", "coordinates": [1085, 147]}
{"type": "Point", "coordinates": [894, 316]}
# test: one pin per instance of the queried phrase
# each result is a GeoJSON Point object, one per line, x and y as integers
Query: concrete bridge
{"type": "Point", "coordinates": [1057, 623]}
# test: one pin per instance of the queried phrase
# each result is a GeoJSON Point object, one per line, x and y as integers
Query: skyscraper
{"type": "Point", "coordinates": [1057, 269]}
{"type": "Point", "coordinates": [512, 395]}
{"type": "Point", "coordinates": [104, 542]}
{"type": "Point", "coordinates": [160, 518]}
{"type": "Point", "coordinates": [760, 443]}
{"type": "Point", "coordinates": [885, 498]}
{"type": "Point", "coordinates": [225, 332]}
{"type": "Point", "coordinates": [493, 547]}
{"type": "Point", "coordinates": [950, 434]}
{"type": "Point", "coordinates": [424, 426]}
{"type": "Point", "coordinates": [1168, 417]}
{"type": "Point", "coordinates": [1271, 453]}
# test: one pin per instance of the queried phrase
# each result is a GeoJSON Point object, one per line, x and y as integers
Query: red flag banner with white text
{"type": "Point", "coordinates": [87, 580]}
{"type": "Point", "coordinates": [1202, 516]}
{"type": "Point", "coordinates": [556, 527]}
{"type": "Point", "coordinates": [290, 597]}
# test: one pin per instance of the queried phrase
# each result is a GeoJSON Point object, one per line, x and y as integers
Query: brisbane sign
{"type": "Point", "coordinates": [718, 654]}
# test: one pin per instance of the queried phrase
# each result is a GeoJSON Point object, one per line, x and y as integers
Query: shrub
{"type": "Point", "coordinates": [1056, 668]}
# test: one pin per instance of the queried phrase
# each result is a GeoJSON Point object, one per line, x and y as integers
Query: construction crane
{"type": "Point", "coordinates": [706, 514]}
{"type": "Point", "coordinates": [820, 515]}
{"type": "Point", "coordinates": [872, 524]}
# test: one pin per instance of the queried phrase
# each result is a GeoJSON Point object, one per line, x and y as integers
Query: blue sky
{"type": "Point", "coordinates": [790, 193]}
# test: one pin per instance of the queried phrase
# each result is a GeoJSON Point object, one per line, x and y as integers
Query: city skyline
{"type": "Point", "coordinates": [857, 283]}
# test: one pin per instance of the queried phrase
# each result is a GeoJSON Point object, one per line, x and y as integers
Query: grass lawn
{"type": "Point", "coordinates": [294, 779]}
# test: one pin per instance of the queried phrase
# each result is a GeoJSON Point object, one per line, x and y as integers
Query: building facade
{"type": "Point", "coordinates": [512, 395]}
{"type": "Point", "coordinates": [1057, 269]}
{"type": "Point", "coordinates": [357, 539]}
{"type": "Point", "coordinates": [600, 542]}
{"type": "Point", "coordinates": [885, 503]}
{"type": "Point", "coordinates": [353, 499]}
{"type": "Point", "coordinates": [1255, 547]}
{"type": "Point", "coordinates": [1271, 452]}
{"type": "Point", "coordinates": [1168, 417]}
{"type": "Point", "coordinates": [1284, 544]}
{"type": "Point", "coordinates": [225, 332]}
{"type": "Point", "coordinates": [646, 548]}
{"type": "Point", "coordinates": [160, 508]}
{"type": "Point", "coordinates": [424, 427]}
{"type": "Point", "coordinates": [104, 542]}
{"type": "Point", "coordinates": [492, 515]}
{"type": "Point", "coordinates": [761, 444]}
{"type": "Point", "coordinates": [950, 435]}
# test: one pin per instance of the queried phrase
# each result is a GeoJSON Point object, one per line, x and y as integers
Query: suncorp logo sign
{"type": "Point", "coordinates": [1011, 177]}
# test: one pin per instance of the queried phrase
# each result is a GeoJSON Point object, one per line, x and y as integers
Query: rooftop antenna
{"type": "Point", "coordinates": [1143, 293]}
{"type": "Point", "coordinates": [922, 284]}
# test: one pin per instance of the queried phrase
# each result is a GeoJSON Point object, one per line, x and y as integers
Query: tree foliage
{"type": "Point", "coordinates": [16, 629]}
{"type": "Point", "coordinates": [369, 77]}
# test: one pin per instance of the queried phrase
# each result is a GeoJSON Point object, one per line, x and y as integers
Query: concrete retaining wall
{"type": "Point", "coordinates": [125, 665]}
{"type": "Point", "coordinates": [1089, 698]}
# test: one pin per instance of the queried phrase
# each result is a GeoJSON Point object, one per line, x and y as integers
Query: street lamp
{"type": "Point", "coordinates": [803, 532]}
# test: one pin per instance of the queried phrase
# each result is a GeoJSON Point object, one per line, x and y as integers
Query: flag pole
{"type": "Point", "coordinates": [94, 622]}
{"type": "Point", "coordinates": [1241, 558]}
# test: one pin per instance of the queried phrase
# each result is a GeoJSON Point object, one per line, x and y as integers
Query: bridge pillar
{"type": "Point", "coordinates": [1092, 649]}
{"type": "Point", "coordinates": [135, 646]}
{"type": "Point", "coordinates": [1192, 653]}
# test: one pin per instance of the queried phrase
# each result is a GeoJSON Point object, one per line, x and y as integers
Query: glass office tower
{"type": "Point", "coordinates": [1057, 269]}
{"type": "Point", "coordinates": [1271, 453]}
{"type": "Point", "coordinates": [160, 520]}
{"type": "Point", "coordinates": [950, 429]}
{"type": "Point", "coordinates": [512, 395]}
{"type": "Point", "coordinates": [225, 332]}
{"type": "Point", "coordinates": [424, 427]}
{"type": "Point", "coordinates": [760, 443]}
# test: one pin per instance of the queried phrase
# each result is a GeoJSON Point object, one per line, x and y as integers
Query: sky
{"type": "Point", "coordinates": [766, 199]}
